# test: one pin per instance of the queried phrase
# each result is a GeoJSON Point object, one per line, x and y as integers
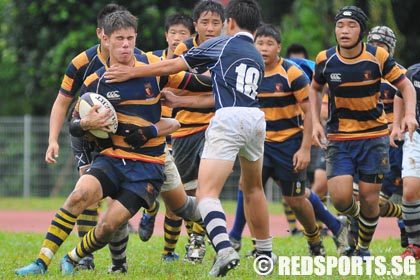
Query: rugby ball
{"type": "Point", "coordinates": [87, 101]}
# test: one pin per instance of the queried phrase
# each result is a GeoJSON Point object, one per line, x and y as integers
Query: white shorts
{"type": "Point", "coordinates": [233, 131]}
{"type": "Point", "coordinates": [411, 156]}
{"type": "Point", "coordinates": [173, 180]}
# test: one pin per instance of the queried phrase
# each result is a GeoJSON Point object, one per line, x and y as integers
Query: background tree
{"type": "Point", "coordinates": [39, 37]}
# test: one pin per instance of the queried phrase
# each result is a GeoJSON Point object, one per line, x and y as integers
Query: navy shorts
{"type": "Point", "coordinates": [317, 162]}
{"type": "Point", "coordinates": [187, 153]}
{"type": "Point", "coordinates": [144, 179]}
{"type": "Point", "coordinates": [350, 157]}
{"type": "Point", "coordinates": [278, 164]}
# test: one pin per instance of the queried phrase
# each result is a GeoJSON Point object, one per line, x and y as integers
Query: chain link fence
{"type": "Point", "coordinates": [24, 172]}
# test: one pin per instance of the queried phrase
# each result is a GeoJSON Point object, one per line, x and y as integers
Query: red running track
{"type": "Point", "coordinates": [38, 221]}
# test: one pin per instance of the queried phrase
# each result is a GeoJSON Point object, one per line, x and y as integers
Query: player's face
{"type": "Point", "coordinates": [121, 45]}
{"type": "Point", "coordinates": [347, 32]}
{"type": "Point", "coordinates": [380, 44]}
{"type": "Point", "coordinates": [269, 49]}
{"type": "Point", "coordinates": [208, 25]}
{"type": "Point", "coordinates": [176, 34]}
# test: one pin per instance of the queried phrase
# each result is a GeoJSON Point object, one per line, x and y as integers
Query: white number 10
{"type": "Point", "coordinates": [246, 81]}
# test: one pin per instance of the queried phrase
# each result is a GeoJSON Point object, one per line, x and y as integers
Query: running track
{"type": "Point", "coordinates": [38, 221]}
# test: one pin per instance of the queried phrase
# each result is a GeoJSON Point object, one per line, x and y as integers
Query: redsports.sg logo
{"type": "Point", "coordinates": [331, 265]}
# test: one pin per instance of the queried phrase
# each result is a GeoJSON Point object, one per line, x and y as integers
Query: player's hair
{"type": "Point", "coordinates": [385, 35]}
{"type": "Point", "coordinates": [108, 9]}
{"type": "Point", "coordinates": [180, 18]}
{"type": "Point", "coordinates": [118, 20]}
{"type": "Point", "coordinates": [208, 6]}
{"type": "Point", "coordinates": [268, 30]}
{"type": "Point", "coordinates": [297, 48]}
{"type": "Point", "coordinates": [246, 13]}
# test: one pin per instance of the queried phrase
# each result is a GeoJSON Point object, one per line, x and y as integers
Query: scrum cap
{"type": "Point", "coordinates": [354, 13]}
{"type": "Point", "coordinates": [384, 35]}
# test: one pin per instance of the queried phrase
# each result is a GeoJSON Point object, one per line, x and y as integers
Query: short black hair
{"type": "Point", "coordinates": [108, 9]}
{"type": "Point", "coordinates": [206, 6]}
{"type": "Point", "coordinates": [118, 20]}
{"type": "Point", "coordinates": [180, 18]}
{"type": "Point", "coordinates": [246, 13]}
{"type": "Point", "coordinates": [268, 30]}
{"type": "Point", "coordinates": [297, 48]}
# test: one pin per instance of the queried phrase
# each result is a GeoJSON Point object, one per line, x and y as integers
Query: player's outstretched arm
{"type": "Point", "coordinates": [167, 126]}
{"type": "Point", "coordinates": [199, 101]}
{"type": "Point", "coordinates": [120, 73]}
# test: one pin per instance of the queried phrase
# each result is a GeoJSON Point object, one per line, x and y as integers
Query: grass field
{"type": "Point", "coordinates": [19, 249]}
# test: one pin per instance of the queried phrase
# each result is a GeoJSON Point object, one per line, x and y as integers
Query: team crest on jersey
{"type": "Point", "coordinates": [279, 87]}
{"type": "Point", "coordinates": [148, 89]}
{"type": "Point", "coordinates": [386, 94]}
{"type": "Point", "coordinates": [368, 75]}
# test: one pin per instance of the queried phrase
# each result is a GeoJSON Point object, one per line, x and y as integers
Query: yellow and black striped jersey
{"type": "Point", "coordinates": [192, 120]}
{"type": "Point", "coordinates": [137, 102]}
{"type": "Point", "coordinates": [81, 66]}
{"type": "Point", "coordinates": [355, 107]}
{"type": "Point", "coordinates": [281, 91]}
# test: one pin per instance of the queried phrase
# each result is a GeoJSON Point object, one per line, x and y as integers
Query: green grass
{"type": "Point", "coordinates": [19, 249]}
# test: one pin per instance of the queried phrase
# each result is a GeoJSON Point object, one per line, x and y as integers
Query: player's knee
{"type": "Point", "coordinates": [79, 198]}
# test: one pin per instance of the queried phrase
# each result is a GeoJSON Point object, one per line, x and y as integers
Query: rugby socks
{"type": "Point", "coordinates": [393, 210]}
{"type": "Point", "coordinates": [290, 216]}
{"type": "Point", "coordinates": [411, 216]}
{"type": "Point", "coordinates": [189, 227]}
{"type": "Point", "coordinates": [88, 245]}
{"type": "Point", "coordinates": [198, 229]}
{"type": "Point", "coordinates": [152, 211]}
{"type": "Point", "coordinates": [215, 220]}
{"type": "Point", "coordinates": [118, 245]}
{"type": "Point", "coordinates": [87, 221]}
{"type": "Point", "coordinates": [322, 213]}
{"type": "Point", "coordinates": [313, 237]}
{"type": "Point", "coordinates": [367, 228]}
{"type": "Point", "coordinates": [264, 247]}
{"type": "Point", "coordinates": [61, 226]}
{"type": "Point", "coordinates": [240, 221]}
{"type": "Point", "coordinates": [324, 201]}
{"type": "Point", "coordinates": [353, 210]}
{"type": "Point", "coordinates": [172, 231]}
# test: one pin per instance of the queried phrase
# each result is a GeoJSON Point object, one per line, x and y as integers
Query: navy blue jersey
{"type": "Point", "coordinates": [413, 73]}
{"type": "Point", "coordinates": [281, 91]}
{"type": "Point", "coordinates": [236, 68]}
